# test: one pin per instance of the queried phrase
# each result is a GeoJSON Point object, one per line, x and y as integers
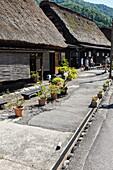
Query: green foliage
{"type": "Point", "coordinates": [44, 93]}
{"type": "Point", "coordinates": [56, 80]}
{"type": "Point", "coordinates": [71, 72]}
{"type": "Point", "coordinates": [100, 92]}
{"type": "Point", "coordinates": [105, 85]}
{"type": "Point", "coordinates": [95, 98]}
{"type": "Point", "coordinates": [64, 62]}
{"type": "Point", "coordinates": [107, 82]}
{"type": "Point", "coordinates": [13, 99]}
{"type": "Point", "coordinates": [54, 89]}
{"type": "Point", "coordinates": [100, 14]}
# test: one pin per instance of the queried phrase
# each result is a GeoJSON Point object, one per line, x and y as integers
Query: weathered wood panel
{"type": "Point", "coordinates": [14, 66]}
{"type": "Point", "coordinates": [46, 62]}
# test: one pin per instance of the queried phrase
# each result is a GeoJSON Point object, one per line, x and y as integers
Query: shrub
{"type": "Point", "coordinates": [95, 98]}
{"type": "Point", "coordinates": [105, 85]}
{"type": "Point", "coordinates": [64, 62]}
{"type": "Point", "coordinates": [56, 80]}
{"type": "Point", "coordinates": [100, 92]}
{"type": "Point", "coordinates": [15, 99]}
{"type": "Point", "coordinates": [107, 82]}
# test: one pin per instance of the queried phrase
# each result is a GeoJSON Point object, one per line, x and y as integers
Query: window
{"type": "Point", "coordinates": [89, 53]}
{"type": "Point", "coordinates": [97, 54]}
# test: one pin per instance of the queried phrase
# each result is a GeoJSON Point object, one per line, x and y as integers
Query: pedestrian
{"type": "Point", "coordinates": [106, 64]}
{"type": "Point", "coordinates": [91, 62]}
{"type": "Point", "coordinates": [86, 64]}
{"type": "Point", "coordinates": [82, 63]}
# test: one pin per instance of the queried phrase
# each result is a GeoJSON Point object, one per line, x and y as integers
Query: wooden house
{"type": "Point", "coordinates": [28, 41]}
{"type": "Point", "coordinates": [107, 32]}
{"type": "Point", "coordinates": [83, 37]}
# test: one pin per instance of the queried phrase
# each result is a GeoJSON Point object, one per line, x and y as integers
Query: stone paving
{"type": "Point", "coordinates": [30, 141]}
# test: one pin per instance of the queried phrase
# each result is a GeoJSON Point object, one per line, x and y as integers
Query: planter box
{"type": "Point", "coordinates": [100, 95]}
{"type": "Point", "coordinates": [94, 103]}
{"type": "Point", "coordinates": [105, 88]}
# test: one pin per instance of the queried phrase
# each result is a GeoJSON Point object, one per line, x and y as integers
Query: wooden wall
{"type": "Point", "coordinates": [14, 66]}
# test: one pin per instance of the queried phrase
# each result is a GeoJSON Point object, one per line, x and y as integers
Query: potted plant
{"type": "Point", "coordinates": [71, 73]}
{"type": "Point", "coordinates": [54, 90]}
{"type": "Point", "coordinates": [16, 100]}
{"type": "Point", "coordinates": [43, 95]}
{"type": "Point", "coordinates": [105, 86]}
{"type": "Point", "coordinates": [64, 89]}
{"type": "Point", "coordinates": [34, 76]}
{"type": "Point", "coordinates": [94, 101]}
{"type": "Point", "coordinates": [57, 81]}
{"type": "Point", "coordinates": [100, 94]}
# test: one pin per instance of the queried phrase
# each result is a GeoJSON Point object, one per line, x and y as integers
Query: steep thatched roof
{"type": "Point", "coordinates": [82, 28]}
{"type": "Point", "coordinates": [23, 21]}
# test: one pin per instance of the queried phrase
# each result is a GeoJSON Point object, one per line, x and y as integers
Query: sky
{"type": "Point", "coordinates": [105, 2]}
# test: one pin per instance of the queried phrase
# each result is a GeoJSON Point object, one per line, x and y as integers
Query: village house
{"type": "Point", "coordinates": [29, 41]}
{"type": "Point", "coordinates": [83, 37]}
{"type": "Point", "coordinates": [107, 32]}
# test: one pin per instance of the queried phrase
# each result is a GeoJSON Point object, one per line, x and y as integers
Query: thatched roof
{"type": "Point", "coordinates": [81, 28]}
{"type": "Point", "coordinates": [23, 21]}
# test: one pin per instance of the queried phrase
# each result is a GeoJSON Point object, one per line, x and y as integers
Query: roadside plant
{"type": "Point", "coordinates": [95, 98]}
{"type": "Point", "coordinates": [44, 93]}
{"type": "Point", "coordinates": [57, 80]}
{"type": "Point", "coordinates": [107, 82]}
{"type": "Point", "coordinates": [70, 71]}
{"type": "Point", "coordinates": [64, 62]}
{"type": "Point", "coordinates": [105, 85]}
{"type": "Point", "coordinates": [54, 89]}
{"type": "Point", "coordinates": [100, 92]}
{"type": "Point", "coordinates": [13, 99]}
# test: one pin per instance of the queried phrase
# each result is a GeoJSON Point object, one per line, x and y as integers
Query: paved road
{"type": "Point", "coordinates": [95, 152]}
{"type": "Point", "coordinates": [31, 142]}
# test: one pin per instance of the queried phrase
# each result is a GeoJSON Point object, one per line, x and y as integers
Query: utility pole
{"type": "Point", "coordinates": [111, 54]}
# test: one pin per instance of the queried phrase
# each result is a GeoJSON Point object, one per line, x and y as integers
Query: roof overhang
{"type": "Point", "coordinates": [24, 50]}
{"type": "Point", "coordinates": [73, 46]}
{"type": "Point", "coordinates": [95, 47]}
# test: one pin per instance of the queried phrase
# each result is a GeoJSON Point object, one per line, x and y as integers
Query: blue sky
{"type": "Point", "coordinates": [105, 2]}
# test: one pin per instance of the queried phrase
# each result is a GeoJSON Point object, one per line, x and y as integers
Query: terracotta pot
{"type": "Point", "coordinates": [54, 96]}
{"type": "Point", "coordinates": [35, 79]}
{"type": "Point", "coordinates": [42, 101]}
{"type": "Point", "coordinates": [18, 111]}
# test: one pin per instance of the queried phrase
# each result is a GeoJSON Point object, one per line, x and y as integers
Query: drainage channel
{"type": "Point", "coordinates": [74, 138]}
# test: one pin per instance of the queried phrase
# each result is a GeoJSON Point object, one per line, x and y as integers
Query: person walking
{"type": "Point", "coordinates": [106, 64]}
{"type": "Point", "coordinates": [82, 63]}
{"type": "Point", "coordinates": [86, 64]}
{"type": "Point", "coordinates": [91, 62]}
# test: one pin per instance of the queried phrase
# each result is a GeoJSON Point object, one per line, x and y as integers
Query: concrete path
{"type": "Point", "coordinates": [31, 142]}
{"type": "Point", "coordinates": [95, 151]}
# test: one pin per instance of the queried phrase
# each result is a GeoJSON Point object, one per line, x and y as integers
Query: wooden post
{"type": "Point", "coordinates": [111, 54]}
{"type": "Point", "coordinates": [42, 68]}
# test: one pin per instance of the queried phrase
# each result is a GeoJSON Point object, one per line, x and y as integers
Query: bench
{"type": "Point", "coordinates": [2, 102]}
{"type": "Point", "coordinates": [28, 94]}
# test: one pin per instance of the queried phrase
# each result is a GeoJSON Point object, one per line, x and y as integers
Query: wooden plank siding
{"type": "Point", "coordinates": [14, 66]}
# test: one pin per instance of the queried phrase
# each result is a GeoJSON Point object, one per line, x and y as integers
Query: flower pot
{"type": "Point", "coordinates": [100, 95]}
{"type": "Point", "coordinates": [35, 79]}
{"type": "Point", "coordinates": [18, 111]}
{"type": "Point", "coordinates": [94, 103]}
{"type": "Point", "coordinates": [42, 101]}
{"type": "Point", "coordinates": [54, 96]}
{"type": "Point", "coordinates": [105, 88]}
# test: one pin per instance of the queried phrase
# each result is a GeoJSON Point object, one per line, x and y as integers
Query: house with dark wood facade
{"type": "Point", "coordinates": [107, 32]}
{"type": "Point", "coordinates": [83, 37]}
{"type": "Point", "coordinates": [29, 41]}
